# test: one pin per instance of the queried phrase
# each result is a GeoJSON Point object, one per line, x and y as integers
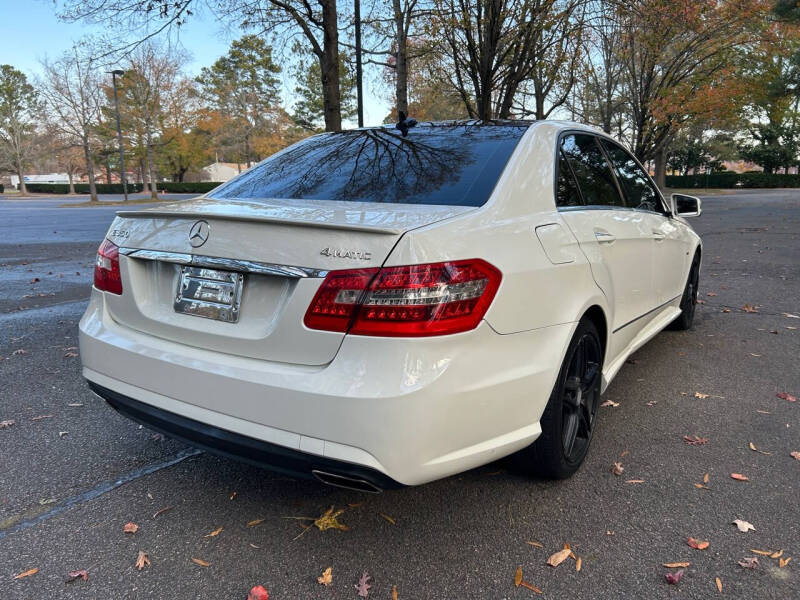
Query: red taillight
{"type": "Point", "coordinates": [413, 300]}
{"type": "Point", "coordinates": [106, 268]}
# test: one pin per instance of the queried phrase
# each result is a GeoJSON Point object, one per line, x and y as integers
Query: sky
{"type": "Point", "coordinates": [30, 32]}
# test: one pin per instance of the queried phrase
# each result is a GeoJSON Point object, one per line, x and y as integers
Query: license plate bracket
{"type": "Point", "coordinates": [209, 293]}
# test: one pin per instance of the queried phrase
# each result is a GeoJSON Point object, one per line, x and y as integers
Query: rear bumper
{"type": "Point", "coordinates": [246, 449]}
{"type": "Point", "coordinates": [413, 410]}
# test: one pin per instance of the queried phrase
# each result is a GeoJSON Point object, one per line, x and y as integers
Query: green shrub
{"type": "Point", "coordinates": [734, 180]}
{"type": "Point", "coordinates": [2, 188]}
{"type": "Point", "coordinates": [82, 188]}
{"type": "Point", "coordinates": [187, 187]}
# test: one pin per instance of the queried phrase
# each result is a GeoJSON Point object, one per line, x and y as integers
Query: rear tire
{"type": "Point", "coordinates": [684, 321]}
{"type": "Point", "coordinates": [569, 418]}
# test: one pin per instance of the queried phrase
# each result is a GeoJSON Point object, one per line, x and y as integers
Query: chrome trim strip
{"type": "Point", "coordinates": [230, 264]}
{"type": "Point", "coordinates": [647, 313]}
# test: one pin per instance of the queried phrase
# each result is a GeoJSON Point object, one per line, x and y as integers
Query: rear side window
{"type": "Point", "coordinates": [639, 192]}
{"type": "Point", "coordinates": [591, 169]}
{"type": "Point", "coordinates": [567, 193]}
{"type": "Point", "coordinates": [450, 164]}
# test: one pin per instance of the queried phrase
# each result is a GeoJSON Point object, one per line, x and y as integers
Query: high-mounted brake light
{"type": "Point", "coordinates": [107, 277]}
{"type": "Point", "coordinates": [413, 300]}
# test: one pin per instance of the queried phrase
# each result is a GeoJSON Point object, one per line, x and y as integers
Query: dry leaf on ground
{"type": "Point", "coordinates": [559, 557]}
{"type": "Point", "coordinates": [142, 560]}
{"type": "Point", "coordinates": [7, 423]}
{"type": "Point", "coordinates": [705, 478]}
{"type": "Point", "coordinates": [749, 562]}
{"type": "Point", "coordinates": [675, 565]}
{"type": "Point", "coordinates": [537, 544]}
{"type": "Point", "coordinates": [388, 518]}
{"type": "Point", "coordinates": [201, 562]}
{"type": "Point", "coordinates": [749, 308]}
{"type": "Point", "coordinates": [327, 520]}
{"type": "Point", "coordinates": [75, 575]}
{"type": "Point", "coordinates": [27, 573]}
{"type": "Point", "coordinates": [673, 578]}
{"type": "Point", "coordinates": [777, 554]}
{"type": "Point", "coordinates": [617, 468]}
{"type": "Point", "coordinates": [761, 552]}
{"type": "Point", "coordinates": [254, 522]}
{"type": "Point", "coordinates": [752, 447]}
{"type": "Point", "coordinates": [327, 576]}
{"type": "Point", "coordinates": [790, 316]}
{"type": "Point", "coordinates": [40, 417]}
{"type": "Point", "coordinates": [697, 544]}
{"type": "Point", "coordinates": [784, 561]}
{"type": "Point", "coordinates": [362, 586]}
{"type": "Point", "coordinates": [258, 593]}
{"type": "Point", "coordinates": [578, 563]}
{"type": "Point", "coordinates": [162, 511]}
{"type": "Point", "coordinates": [719, 584]}
{"type": "Point", "coordinates": [700, 395]}
{"type": "Point", "coordinates": [130, 527]}
{"type": "Point", "coordinates": [19, 352]}
{"type": "Point", "coordinates": [795, 455]}
{"type": "Point", "coordinates": [786, 396]}
{"type": "Point", "coordinates": [743, 526]}
{"type": "Point", "coordinates": [634, 481]}
{"type": "Point", "coordinates": [394, 592]}
{"type": "Point", "coordinates": [693, 440]}
{"type": "Point", "coordinates": [739, 477]}
{"type": "Point", "coordinates": [610, 403]}
{"type": "Point", "coordinates": [214, 533]}
{"type": "Point", "coordinates": [518, 576]}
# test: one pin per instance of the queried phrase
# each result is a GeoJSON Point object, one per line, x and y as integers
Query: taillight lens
{"type": "Point", "coordinates": [413, 300]}
{"type": "Point", "coordinates": [106, 268]}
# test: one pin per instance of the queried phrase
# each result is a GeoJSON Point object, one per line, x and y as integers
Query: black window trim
{"type": "Point", "coordinates": [585, 206]}
{"type": "Point", "coordinates": [630, 154]}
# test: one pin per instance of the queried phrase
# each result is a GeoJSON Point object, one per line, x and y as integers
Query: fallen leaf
{"type": "Point", "coordinates": [610, 403]}
{"type": "Point", "coordinates": [233, 495]}
{"type": "Point", "coordinates": [652, 403]}
{"type": "Point", "coordinates": [786, 396]}
{"type": "Point", "coordinates": [537, 544]}
{"type": "Point", "coordinates": [749, 308]}
{"type": "Point", "coordinates": [635, 481]}
{"type": "Point", "coordinates": [791, 316]}
{"type": "Point", "coordinates": [258, 593]}
{"type": "Point", "coordinates": [675, 565]}
{"type": "Point", "coordinates": [19, 351]}
{"type": "Point", "coordinates": [531, 587]}
{"type": "Point", "coordinates": [739, 477]}
{"type": "Point", "coordinates": [701, 486]}
{"type": "Point", "coordinates": [763, 412]}
{"type": "Point", "coordinates": [711, 294]}
{"type": "Point", "coordinates": [162, 511]}
{"type": "Point", "coordinates": [784, 561]}
{"type": "Point", "coordinates": [142, 560]}
{"type": "Point", "coordinates": [749, 562]}
{"type": "Point", "coordinates": [796, 455]}
{"type": "Point", "coordinates": [777, 554]}
{"type": "Point", "coordinates": [40, 417]}
{"type": "Point", "coordinates": [254, 546]}
{"type": "Point", "coordinates": [761, 552]}
{"type": "Point", "coordinates": [719, 584]}
{"type": "Point", "coordinates": [70, 354]}
{"type": "Point", "coordinates": [27, 573]}
{"type": "Point", "coordinates": [517, 576]}
{"type": "Point", "coordinates": [559, 557]}
{"type": "Point", "coordinates": [201, 562]}
{"type": "Point", "coordinates": [578, 564]}
{"type": "Point", "coordinates": [726, 310]}
{"type": "Point", "coordinates": [75, 575]}
{"type": "Point", "coordinates": [61, 434]}
{"type": "Point", "coordinates": [130, 527]}
{"type": "Point", "coordinates": [700, 395]}
{"type": "Point", "coordinates": [75, 404]}
{"type": "Point", "coordinates": [6, 424]}
{"type": "Point", "coordinates": [254, 522]}
{"type": "Point", "coordinates": [214, 533]}
{"type": "Point", "coordinates": [674, 578]}
{"type": "Point", "coordinates": [394, 592]}
{"type": "Point", "coordinates": [743, 526]}
{"type": "Point", "coordinates": [617, 468]}
{"type": "Point", "coordinates": [46, 501]}
{"type": "Point", "coordinates": [354, 504]}
{"type": "Point", "coordinates": [705, 478]}
{"type": "Point", "coordinates": [697, 544]}
{"type": "Point", "coordinates": [362, 586]}
{"type": "Point", "coordinates": [609, 532]}
{"type": "Point", "coordinates": [327, 576]}
{"type": "Point", "coordinates": [624, 454]}
{"type": "Point", "coordinates": [754, 449]}
{"type": "Point", "coordinates": [693, 440]}
{"type": "Point", "coordinates": [388, 518]}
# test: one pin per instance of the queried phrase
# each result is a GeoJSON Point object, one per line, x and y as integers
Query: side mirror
{"type": "Point", "coordinates": [685, 206]}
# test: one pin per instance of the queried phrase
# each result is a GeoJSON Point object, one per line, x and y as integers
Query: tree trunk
{"type": "Point", "coordinates": [87, 154]}
{"type": "Point", "coordinates": [151, 172]}
{"type": "Point", "coordinates": [401, 64]}
{"type": "Point", "coordinates": [23, 189]}
{"type": "Point", "coordinates": [660, 160]}
{"type": "Point", "coordinates": [108, 171]}
{"type": "Point", "coordinates": [329, 64]}
{"type": "Point", "coordinates": [71, 183]}
{"type": "Point", "coordinates": [145, 187]}
{"type": "Point", "coordinates": [247, 150]}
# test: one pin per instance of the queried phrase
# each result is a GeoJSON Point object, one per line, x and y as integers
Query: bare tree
{"type": "Point", "coordinates": [73, 98]}
{"type": "Point", "coordinates": [18, 107]}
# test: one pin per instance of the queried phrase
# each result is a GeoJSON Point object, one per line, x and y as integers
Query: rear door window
{"type": "Point", "coordinates": [449, 164]}
{"type": "Point", "coordinates": [639, 191]}
{"type": "Point", "coordinates": [567, 193]}
{"type": "Point", "coordinates": [591, 169]}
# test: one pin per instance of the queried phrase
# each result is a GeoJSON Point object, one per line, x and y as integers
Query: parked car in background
{"type": "Point", "coordinates": [380, 307]}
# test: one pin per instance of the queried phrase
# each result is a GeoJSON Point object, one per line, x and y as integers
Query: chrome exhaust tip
{"type": "Point", "coordinates": [349, 483]}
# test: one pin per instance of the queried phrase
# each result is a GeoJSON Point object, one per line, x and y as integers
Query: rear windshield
{"type": "Point", "coordinates": [451, 164]}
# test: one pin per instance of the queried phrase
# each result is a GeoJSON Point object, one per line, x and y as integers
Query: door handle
{"type": "Point", "coordinates": [603, 237]}
{"type": "Point", "coordinates": [659, 235]}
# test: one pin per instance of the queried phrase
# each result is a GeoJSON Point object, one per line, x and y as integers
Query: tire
{"type": "Point", "coordinates": [683, 321]}
{"type": "Point", "coordinates": [568, 420]}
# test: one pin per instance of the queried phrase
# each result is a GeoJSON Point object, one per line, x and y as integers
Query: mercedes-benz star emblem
{"type": "Point", "coordinates": [198, 234]}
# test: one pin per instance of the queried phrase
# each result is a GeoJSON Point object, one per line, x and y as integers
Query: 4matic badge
{"type": "Point", "coordinates": [345, 253]}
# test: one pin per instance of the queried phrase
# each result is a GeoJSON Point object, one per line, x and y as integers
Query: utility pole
{"type": "Point", "coordinates": [119, 133]}
{"type": "Point", "coordinates": [359, 90]}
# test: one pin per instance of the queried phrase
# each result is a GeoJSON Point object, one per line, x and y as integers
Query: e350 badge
{"type": "Point", "coordinates": [345, 253]}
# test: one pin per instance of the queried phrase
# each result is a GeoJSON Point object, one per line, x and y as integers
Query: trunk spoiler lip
{"type": "Point", "coordinates": [201, 210]}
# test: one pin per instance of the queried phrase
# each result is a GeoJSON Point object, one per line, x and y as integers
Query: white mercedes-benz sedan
{"type": "Point", "coordinates": [385, 306]}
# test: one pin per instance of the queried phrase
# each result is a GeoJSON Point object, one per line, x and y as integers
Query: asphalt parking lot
{"type": "Point", "coordinates": [74, 472]}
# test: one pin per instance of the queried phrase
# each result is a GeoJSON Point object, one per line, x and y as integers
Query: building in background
{"type": "Point", "coordinates": [220, 171]}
